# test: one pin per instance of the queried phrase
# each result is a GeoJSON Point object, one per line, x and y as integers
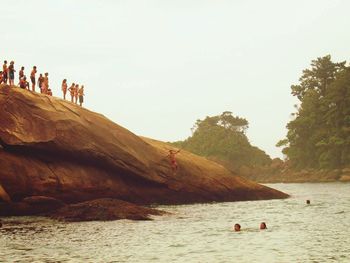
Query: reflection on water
{"type": "Point", "coordinates": [296, 232]}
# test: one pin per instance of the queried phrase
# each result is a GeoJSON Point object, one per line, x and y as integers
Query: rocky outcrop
{"type": "Point", "coordinates": [32, 205]}
{"type": "Point", "coordinates": [103, 210]}
{"type": "Point", "coordinates": [50, 147]}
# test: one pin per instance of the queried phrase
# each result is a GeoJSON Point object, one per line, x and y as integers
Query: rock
{"type": "Point", "coordinates": [33, 205]}
{"type": "Point", "coordinates": [346, 171]}
{"type": "Point", "coordinates": [344, 178]}
{"type": "Point", "coordinates": [43, 201]}
{"type": "Point", "coordinates": [57, 149]}
{"type": "Point", "coordinates": [3, 195]}
{"type": "Point", "coordinates": [104, 210]}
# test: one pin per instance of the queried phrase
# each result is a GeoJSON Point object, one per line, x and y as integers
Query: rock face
{"type": "Point", "coordinates": [51, 147]}
{"type": "Point", "coordinates": [32, 205]}
{"type": "Point", "coordinates": [103, 210]}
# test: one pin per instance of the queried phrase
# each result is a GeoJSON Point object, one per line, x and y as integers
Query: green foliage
{"type": "Point", "coordinates": [319, 136]}
{"type": "Point", "coordinates": [223, 138]}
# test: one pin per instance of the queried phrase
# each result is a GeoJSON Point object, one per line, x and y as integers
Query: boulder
{"type": "Point", "coordinates": [32, 205]}
{"type": "Point", "coordinates": [3, 195]}
{"type": "Point", "coordinates": [57, 149]}
{"type": "Point", "coordinates": [103, 210]}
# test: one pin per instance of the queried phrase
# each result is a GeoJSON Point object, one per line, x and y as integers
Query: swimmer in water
{"type": "Point", "coordinates": [263, 226]}
{"type": "Point", "coordinates": [237, 227]}
{"type": "Point", "coordinates": [308, 202]}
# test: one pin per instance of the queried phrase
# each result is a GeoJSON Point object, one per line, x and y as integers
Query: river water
{"type": "Point", "coordinates": [296, 232]}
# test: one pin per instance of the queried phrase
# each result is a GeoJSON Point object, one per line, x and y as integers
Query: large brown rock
{"type": "Point", "coordinates": [53, 148]}
{"type": "Point", "coordinates": [105, 209]}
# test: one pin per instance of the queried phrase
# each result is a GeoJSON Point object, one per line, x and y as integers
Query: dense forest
{"type": "Point", "coordinates": [319, 135]}
{"type": "Point", "coordinates": [223, 138]}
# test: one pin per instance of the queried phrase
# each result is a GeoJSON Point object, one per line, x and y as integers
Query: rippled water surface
{"type": "Point", "coordinates": [297, 232]}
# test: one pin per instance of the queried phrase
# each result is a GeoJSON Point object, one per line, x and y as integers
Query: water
{"type": "Point", "coordinates": [296, 232]}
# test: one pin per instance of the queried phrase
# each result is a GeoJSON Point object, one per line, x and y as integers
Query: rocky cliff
{"type": "Point", "coordinates": [51, 147]}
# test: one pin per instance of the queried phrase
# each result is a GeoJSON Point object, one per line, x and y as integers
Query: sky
{"type": "Point", "coordinates": [156, 66]}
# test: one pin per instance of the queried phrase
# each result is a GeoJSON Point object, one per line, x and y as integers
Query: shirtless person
{"type": "Point", "coordinates": [32, 78]}
{"type": "Point", "coordinates": [4, 72]}
{"type": "Point", "coordinates": [64, 88]}
{"type": "Point", "coordinates": [76, 91]}
{"type": "Point", "coordinates": [21, 73]}
{"type": "Point", "coordinates": [172, 158]}
{"type": "Point", "coordinates": [11, 71]}
{"type": "Point", "coordinates": [23, 83]}
{"type": "Point", "coordinates": [81, 95]}
{"type": "Point", "coordinates": [45, 83]}
{"type": "Point", "coordinates": [40, 82]}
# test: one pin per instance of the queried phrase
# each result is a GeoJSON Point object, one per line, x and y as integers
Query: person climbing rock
{"type": "Point", "coordinates": [172, 158]}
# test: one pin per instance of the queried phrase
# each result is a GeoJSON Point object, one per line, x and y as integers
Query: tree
{"type": "Point", "coordinates": [319, 135]}
{"type": "Point", "coordinates": [223, 138]}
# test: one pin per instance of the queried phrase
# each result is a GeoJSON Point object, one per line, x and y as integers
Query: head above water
{"type": "Point", "coordinates": [308, 202]}
{"type": "Point", "coordinates": [263, 225]}
{"type": "Point", "coordinates": [237, 227]}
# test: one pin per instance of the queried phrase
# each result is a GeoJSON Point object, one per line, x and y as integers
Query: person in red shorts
{"type": "Point", "coordinates": [172, 158]}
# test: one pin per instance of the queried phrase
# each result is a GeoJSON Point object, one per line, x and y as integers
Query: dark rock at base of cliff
{"type": "Point", "coordinates": [105, 209]}
{"type": "Point", "coordinates": [32, 205]}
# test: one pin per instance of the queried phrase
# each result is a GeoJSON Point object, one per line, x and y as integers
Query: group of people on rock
{"type": "Point", "coordinates": [7, 76]}
{"type": "Point", "coordinates": [75, 92]}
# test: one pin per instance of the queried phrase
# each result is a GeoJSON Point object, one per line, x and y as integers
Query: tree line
{"type": "Point", "coordinates": [319, 135]}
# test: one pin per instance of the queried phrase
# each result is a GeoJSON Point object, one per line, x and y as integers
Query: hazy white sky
{"type": "Point", "coordinates": [155, 67]}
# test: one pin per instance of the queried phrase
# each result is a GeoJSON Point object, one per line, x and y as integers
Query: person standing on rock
{"type": "Point", "coordinates": [11, 71]}
{"type": "Point", "coordinates": [64, 88]}
{"type": "Point", "coordinates": [76, 93]}
{"type": "Point", "coordinates": [172, 158]}
{"type": "Point", "coordinates": [4, 72]}
{"type": "Point", "coordinates": [40, 82]}
{"type": "Point", "coordinates": [71, 92]}
{"type": "Point", "coordinates": [81, 95]}
{"type": "Point", "coordinates": [45, 83]}
{"type": "Point", "coordinates": [32, 78]}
